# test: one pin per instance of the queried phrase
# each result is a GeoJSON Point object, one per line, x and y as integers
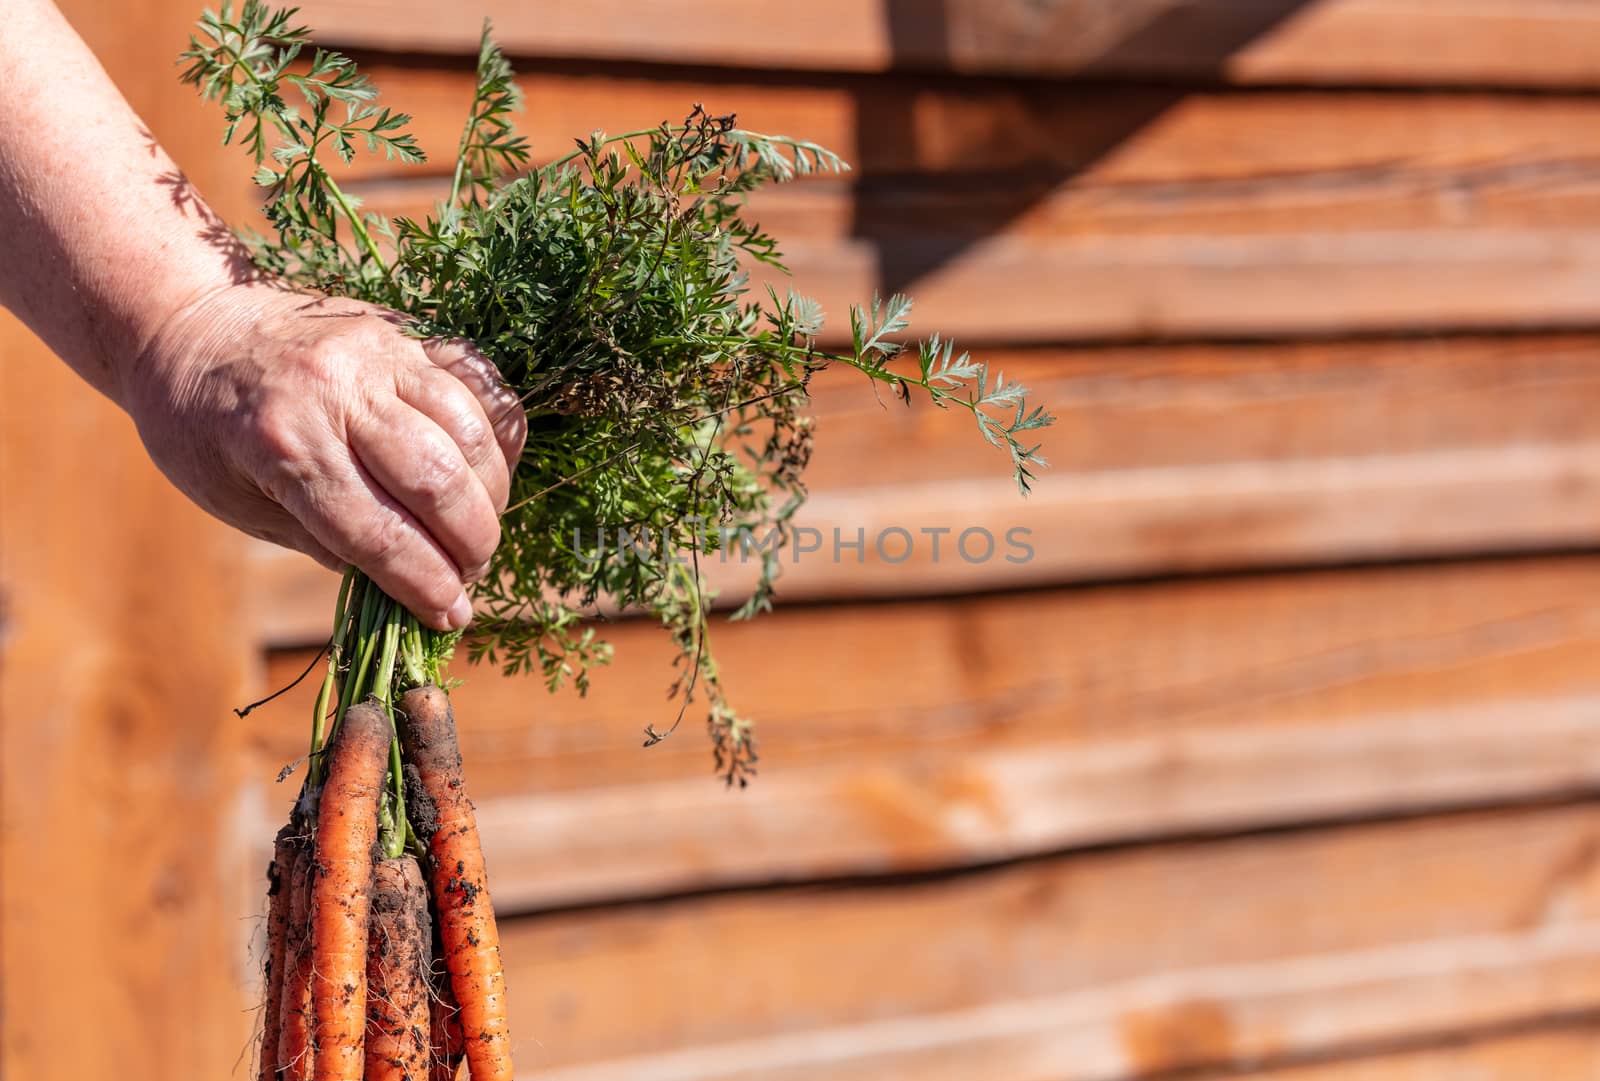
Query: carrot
{"type": "Point", "coordinates": [443, 818]}
{"type": "Point", "coordinates": [295, 1056]}
{"type": "Point", "coordinates": [446, 1040]}
{"type": "Point", "coordinates": [445, 1035]}
{"type": "Point", "coordinates": [399, 956]}
{"type": "Point", "coordinates": [278, 871]}
{"type": "Point", "coordinates": [347, 832]}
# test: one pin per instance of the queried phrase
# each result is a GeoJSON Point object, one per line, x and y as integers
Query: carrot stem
{"type": "Point", "coordinates": [394, 804]}
{"type": "Point", "coordinates": [355, 684]}
{"type": "Point", "coordinates": [336, 650]}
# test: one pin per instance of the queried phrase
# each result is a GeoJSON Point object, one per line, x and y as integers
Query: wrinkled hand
{"type": "Point", "coordinates": [318, 424]}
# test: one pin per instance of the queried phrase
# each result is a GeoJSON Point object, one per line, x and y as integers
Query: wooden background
{"type": "Point", "coordinates": [1281, 759]}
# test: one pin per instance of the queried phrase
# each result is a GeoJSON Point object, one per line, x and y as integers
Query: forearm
{"type": "Point", "coordinates": [103, 238]}
{"type": "Point", "coordinates": [312, 422]}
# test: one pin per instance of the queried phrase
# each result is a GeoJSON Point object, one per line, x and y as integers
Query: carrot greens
{"type": "Point", "coordinates": [610, 287]}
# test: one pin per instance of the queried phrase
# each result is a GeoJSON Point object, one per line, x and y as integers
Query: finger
{"type": "Point", "coordinates": [412, 459]}
{"type": "Point", "coordinates": [352, 517]}
{"type": "Point", "coordinates": [445, 400]}
{"type": "Point", "coordinates": [479, 375]}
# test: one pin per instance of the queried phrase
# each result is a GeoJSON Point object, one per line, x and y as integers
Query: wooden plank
{"type": "Point", "coordinates": [124, 881]}
{"type": "Point", "coordinates": [1168, 147]}
{"type": "Point", "coordinates": [1034, 280]}
{"type": "Point", "coordinates": [941, 539]}
{"type": "Point", "coordinates": [1197, 458]}
{"type": "Point", "coordinates": [1098, 968]}
{"type": "Point", "coordinates": [1553, 1053]}
{"type": "Point", "coordinates": [1541, 43]}
{"type": "Point", "coordinates": [1174, 216]}
{"type": "Point", "coordinates": [912, 735]}
{"type": "Point", "coordinates": [1017, 290]}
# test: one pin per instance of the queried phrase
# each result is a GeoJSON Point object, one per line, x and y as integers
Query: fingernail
{"type": "Point", "coordinates": [460, 613]}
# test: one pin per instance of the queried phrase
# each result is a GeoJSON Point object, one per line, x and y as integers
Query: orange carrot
{"type": "Point", "coordinates": [278, 871]}
{"type": "Point", "coordinates": [443, 818]}
{"type": "Point", "coordinates": [399, 955]}
{"type": "Point", "coordinates": [341, 890]}
{"type": "Point", "coordinates": [447, 1051]}
{"type": "Point", "coordinates": [295, 1056]}
{"type": "Point", "coordinates": [445, 1035]}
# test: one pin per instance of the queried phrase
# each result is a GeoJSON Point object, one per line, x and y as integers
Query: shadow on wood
{"type": "Point", "coordinates": [922, 33]}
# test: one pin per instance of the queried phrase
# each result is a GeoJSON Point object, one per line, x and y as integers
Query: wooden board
{"type": "Point", "coordinates": [1013, 288]}
{"type": "Point", "coordinates": [1018, 290]}
{"type": "Point", "coordinates": [1504, 42]}
{"type": "Point", "coordinates": [1120, 137]}
{"type": "Point", "coordinates": [1196, 458]}
{"type": "Point", "coordinates": [1127, 160]}
{"type": "Point", "coordinates": [1097, 968]}
{"type": "Point", "coordinates": [915, 735]}
{"type": "Point", "coordinates": [1020, 217]}
{"type": "Point", "coordinates": [918, 735]}
{"type": "Point", "coordinates": [1550, 1053]}
{"type": "Point", "coordinates": [126, 888]}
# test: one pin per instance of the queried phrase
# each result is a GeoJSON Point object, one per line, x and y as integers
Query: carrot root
{"type": "Point", "coordinates": [341, 890]}
{"type": "Point", "coordinates": [295, 1058]}
{"type": "Point", "coordinates": [443, 818]}
{"type": "Point", "coordinates": [447, 1048]}
{"type": "Point", "coordinates": [399, 956]}
{"type": "Point", "coordinates": [278, 873]}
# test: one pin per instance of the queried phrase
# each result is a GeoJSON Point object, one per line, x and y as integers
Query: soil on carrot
{"type": "Point", "coordinates": [467, 888]}
{"type": "Point", "coordinates": [419, 805]}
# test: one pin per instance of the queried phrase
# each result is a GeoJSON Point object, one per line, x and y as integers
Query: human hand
{"type": "Point", "coordinates": [317, 424]}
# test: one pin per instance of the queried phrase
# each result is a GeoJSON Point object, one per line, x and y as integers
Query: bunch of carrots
{"type": "Point", "coordinates": [384, 967]}
{"type": "Point", "coordinates": [610, 287]}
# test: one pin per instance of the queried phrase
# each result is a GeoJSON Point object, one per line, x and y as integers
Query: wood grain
{"type": "Point", "coordinates": [1094, 968]}
{"type": "Point", "coordinates": [1196, 458]}
{"type": "Point", "coordinates": [1550, 1053]}
{"type": "Point", "coordinates": [921, 735]}
{"type": "Point", "coordinates": [1096, 214]}
{"type": "Point", "coordinates": [125, 886]}
{"type": "Point", "coordinates": [952, 736]}
{"type": "Point", "coordinates": [1541, 43]}
{"type": "Point", "coordinates": [1016, 290]}
{"type": "Point", "coordinates": [1019, 288]}
{"type": "Point", "coordinates": [1162, 145]}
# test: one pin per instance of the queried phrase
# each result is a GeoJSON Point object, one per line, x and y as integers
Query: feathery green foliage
{"type": "Point", "coordinates": [610, 288]}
